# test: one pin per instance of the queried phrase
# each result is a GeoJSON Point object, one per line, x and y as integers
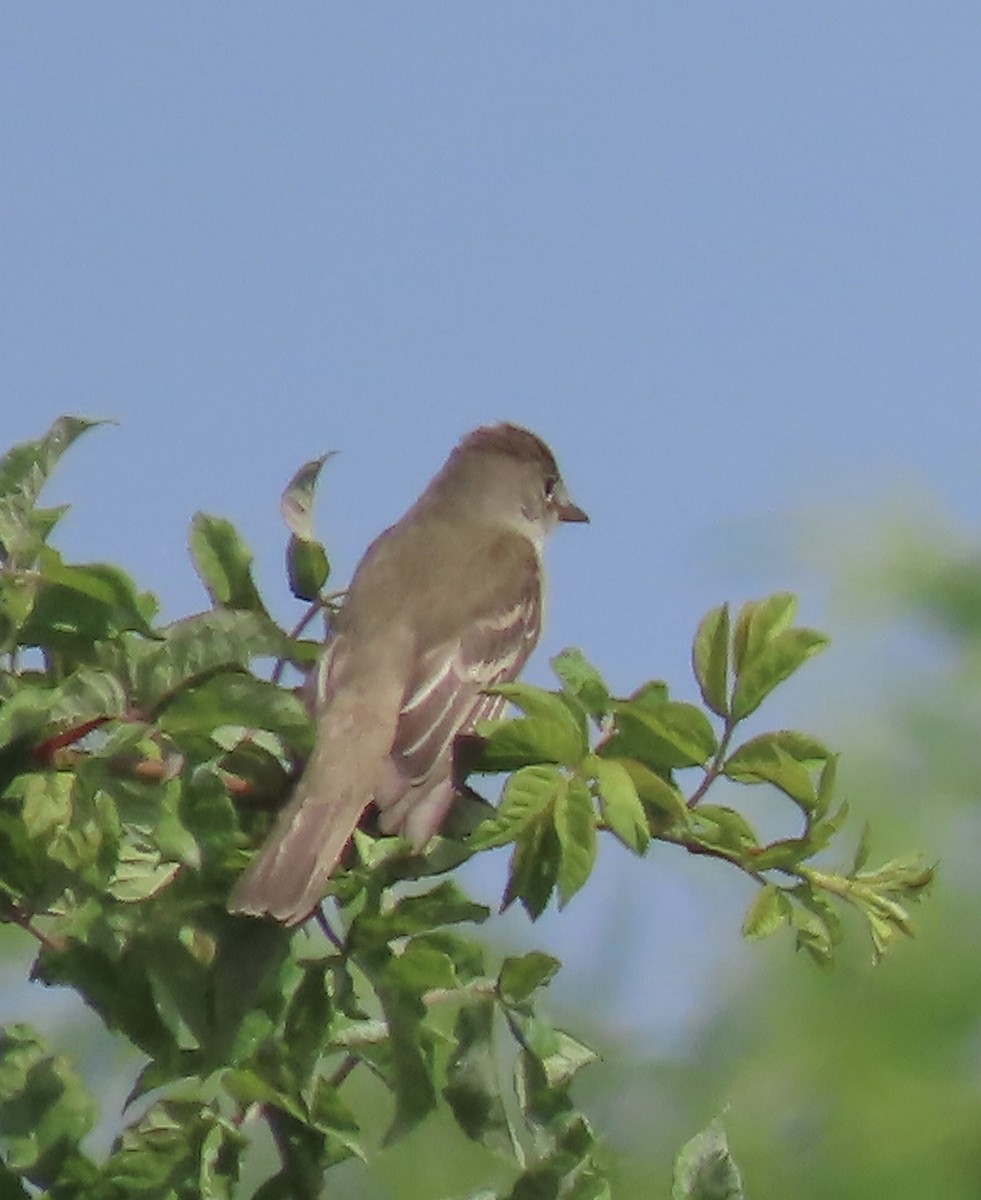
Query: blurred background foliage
{"type": "Point", "coordinates": [857, 1081]}
{"type": "Point", "coordinates": [850, 1082]}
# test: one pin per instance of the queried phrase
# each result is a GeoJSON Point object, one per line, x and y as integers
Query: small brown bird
{"type": "Point", "coordinates": [445, 603]}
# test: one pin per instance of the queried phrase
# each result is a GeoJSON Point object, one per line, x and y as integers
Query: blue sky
{"type": "Point", "coordinates": [724, 257]}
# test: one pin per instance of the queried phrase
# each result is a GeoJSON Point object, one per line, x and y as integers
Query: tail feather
{"type": "Point", "coordinates": [289, 875]}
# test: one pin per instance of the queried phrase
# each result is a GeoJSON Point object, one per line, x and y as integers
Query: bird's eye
{"type": "Point", "coordinates": [551, 483]}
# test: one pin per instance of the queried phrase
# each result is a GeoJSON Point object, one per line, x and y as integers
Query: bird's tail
{"type": "Point", "coordinates": [289, 874]}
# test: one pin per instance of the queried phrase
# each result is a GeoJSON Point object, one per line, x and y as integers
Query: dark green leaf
{"type": "Point", "coordinates": [826, 786]}
{"type": "Point", "coordinates": [76, 606]}
{"type": "Point", "coordinates": [116, 988]}
{"type": "Point", "coordinates": [710, 659]}
{"type": "Point", "coordinates": [44, 1110]}
{"type": "Point", "coordinates": [233, 698]}
{"type": "Point", "coordinates": [534, 868]}
{"type": "Point", "coordinates": [519, 977]}
{"type": "Point", "coordinates": [473, 1089]}
{"type": "Point", "coordinates": [862, 850]}
{"type": "Point", "coordinates": [444, 904]}
{"type": "Point", "coordinates": [400, 989]}
{"type": "Point", "coordinates": [224, 563]}
{"type": "Point", "coordinates": [307, 568]}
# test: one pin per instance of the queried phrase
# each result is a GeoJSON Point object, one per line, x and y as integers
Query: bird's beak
{"type": "Point", "coordinates": [565, 510]}
{"type": "Point", "coordinates": [572, 512]}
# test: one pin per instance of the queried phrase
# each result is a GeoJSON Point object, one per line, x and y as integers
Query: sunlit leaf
{"type": "Point", "coordinates": [575, 825]}
{"type": "Point", "coordinates": [582, 680]}
{"type": "Point", "coordinates": [620, 804]}
{"type": "Point", "coordinates": [710, 659]}
{"type": "Point", "coordinates": [757, 623]}
{"type": "Point", "coordinates": [774, 662]}
{"type": "Point", "coordinates": [770, 909]}
{"type": "Point", "coordinates": [664, 736]}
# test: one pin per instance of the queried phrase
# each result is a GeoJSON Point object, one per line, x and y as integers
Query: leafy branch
{"type": "Point", "coordinates": [138, 764]}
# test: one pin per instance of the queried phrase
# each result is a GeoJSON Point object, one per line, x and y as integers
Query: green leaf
{"type": "Point", "coordinates": [527, 793]}
{"type": "Point", "coordinates": [84, 696]}
{"type": "Point", "coordinates": [778, 659]}
{"type": "Point", "coordinates": [651, 694]}
{"type": "Point", "coordinates": [765, 760]}
{"type": "Point", "coordinates": [307, 568]}
{"type": "Point", "coordinates": [140, 873]}
{"type": "Point", "coordinates": [116, 988]}
{"type": "Point", "coordinates": [662, 801]}
{"type": "Point", "coordinates": [664, 736]}
{"type": "Point", "coordinates": [233, 698]}
{"type": "Point", "coordinates": [473, 1088]}
{"type": "Point", "coordinates": [44, 1109]}
{"type": "Point", "coordinates": [757, 623]}
{"type": "Point", "coordinates": [862, 850]}
{"type": "Point", "coordinates": [782, 855]}
{"type": "Point", "coordinates": [526, 741]}
{"type": "Point", "coordinates": [199, 645]}
{"type": "Point", "coordinates": [582, 680]}
{"type": "Point", "coordinates": [224, 564]}
{"type": "Point", "coordinates": [534, 868]}
{"type": "Point", "coordinates": [575, 824]}
{"type": "Point", "coordinates": [519, 977]}
{"type": "Point", "coordinates": [620, 804]}
{"type": "Point", "coordinates": [770, 909]}
{"type": "Point", "coordinates": [710, 659]}
{"type": "Point", "coordinates": [560, 1056]}
{"type": "Point", "coordinates": [705, 1170]}
{"type": "Point", "coordinates": [723, 827]}
{"type": "Point", "coordinates": [537, 702]}
{"type": "Point", "coordinates": [296, 504]}
{"type": "Point", "coordinates": [24, 470]}
{"type": "Point", "coordinates": [172, 1150]}
{"type": "Point", "coordinates": [17, 596]}
{"type": "Point", "coordinates": [76, 606]}
{"type": "Point", "coordinates": [826, 786]}
{"type": "Point", "coordinates": [444, 904]}
{"type": "Point", "coordinates": [400, 988]}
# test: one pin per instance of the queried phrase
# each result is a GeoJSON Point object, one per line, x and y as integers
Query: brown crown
{"type": "Point", "coordinates": [511, 440]}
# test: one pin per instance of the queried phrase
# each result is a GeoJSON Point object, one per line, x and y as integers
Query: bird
{"type": "Point", "coordinates": [444, 604]}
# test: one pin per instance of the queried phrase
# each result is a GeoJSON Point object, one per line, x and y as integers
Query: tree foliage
{"type": "Point", "coordinates": [140, 764]}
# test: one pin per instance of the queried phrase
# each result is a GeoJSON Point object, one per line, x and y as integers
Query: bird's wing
{"type": "Point", "coordinates": [445, 696]}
